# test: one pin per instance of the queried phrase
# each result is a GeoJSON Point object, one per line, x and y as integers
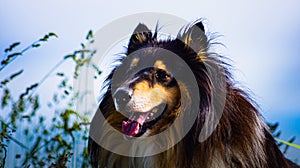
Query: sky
{"type": "Point", "coordinates": [262, 39]}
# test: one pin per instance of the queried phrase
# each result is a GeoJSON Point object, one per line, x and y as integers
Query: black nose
{"type": "Point", "coordinates": [122, 97]}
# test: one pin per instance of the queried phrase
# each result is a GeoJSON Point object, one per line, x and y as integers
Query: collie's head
{"type": "Point", "coordinates": [157, 80]}
{"type": "Point", "coordinates": [159, 96]}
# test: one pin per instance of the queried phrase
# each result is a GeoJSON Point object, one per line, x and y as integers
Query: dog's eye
{"type": "Point", "coordinates": [162, 76]}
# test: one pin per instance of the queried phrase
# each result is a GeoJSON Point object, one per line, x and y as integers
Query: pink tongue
{"type": "Point", "coordinates": [130, 127]}
{"type": "Point", "coordinates": [133, 125]}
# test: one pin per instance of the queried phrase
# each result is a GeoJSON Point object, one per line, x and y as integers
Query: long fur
{"type": "Point", "coordinates": [241, 138]}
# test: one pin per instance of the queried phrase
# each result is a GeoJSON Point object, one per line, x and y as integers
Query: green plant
{"type": "Point", "coordinates": [284, 145]}
{"type": "Point", "coordinates": [45, 142]}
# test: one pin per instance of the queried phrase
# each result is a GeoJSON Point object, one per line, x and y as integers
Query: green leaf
{"type": "Point", "coordinates": [16, 74]}
{"type": "Point", "coordinates": [89, 35]}
{"type": "Point", "coordinates": [11, 47]}
{"type": "Point", "coordinates": [18, 156]}
{"type": "Point", "coordinates": [277, 134]}
{"type": "Point", "coordinates": [3, 83]}
{"type": "Point", "coordinates": [36, 145]}
{"type": "Point", "coordinates": [21, 105]}
{"type": "Point", "coordinates": [53, 34]}
{"type": "Point", "coordinates": [60, 74]}
{"type": "Point", "coordinates": [85, 138]}
{"type": "Point", "coordinates": [9, 57]}
{"type": "Point", "coordinates": [26, 131]}
{"type": "Point", "coordinates": [82, 45]}
{"type": "Point", "coordinates": [45, 38]}
{"type": "Point", "coordinates": [25, 116]}
{"type": "Point", "coordinates": [28, 89]}
{"type": "Point", "coordinates": [35, 45]}
{"type": "Point", "coordinates": [5, 98]}
{"type": "Point", "coordinates": [41, 119]}
{"type": "Point", "coordinates": [41, 163]}
{"type": "Point", "coordinates": [97, 69]}
{"type": "Point", "coordinates": [287, 146]}
{"type": "Point", "coordinates": [46, 132]}
{"type": "Point", "coordinates": [64, 83]}
{"type": "Point", "coordinates": [66, 92]}
{"type": "Point", "coordinates": [76, 126]}
{"type": "Point", "coordinates": [70, 56]}
{"type": "Point", "coordinates": [35, 102]}
{"type": "Point", "coordinates": [273, 127]}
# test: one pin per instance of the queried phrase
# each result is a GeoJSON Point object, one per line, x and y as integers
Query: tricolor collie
{"type": "Point", "coordinates": [147, 95]}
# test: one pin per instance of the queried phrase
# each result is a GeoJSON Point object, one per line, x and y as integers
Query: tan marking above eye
{"type": "Point", "coordinates": [134, 63]}
{"type": "Point", "coordinates": [142, 86]}
{"type": "Point", "coordinates": [140, 38]}
{"type": "Point", "coordinates": [160, 64]}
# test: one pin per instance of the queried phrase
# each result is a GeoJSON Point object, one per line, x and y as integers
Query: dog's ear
{"type": "Point", "coordinates": [194, 37]}
{"type": "Point", "coordinates": [141, 35]}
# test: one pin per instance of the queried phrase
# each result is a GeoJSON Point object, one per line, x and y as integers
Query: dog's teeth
{"type": "Point", "coordinates": [148, 118]}
{"type": "Point", "coordinates": [154, 110]}
{"type": "Point", "coordinates": [151, 114]}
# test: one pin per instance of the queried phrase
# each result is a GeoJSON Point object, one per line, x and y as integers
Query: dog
{"type": "Point", "coordinates": [165, 89]}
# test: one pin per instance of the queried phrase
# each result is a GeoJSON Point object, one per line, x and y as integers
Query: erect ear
{"type": "Point", "coordinates": [194, 37]}
{"type": "Point", "coordinates": [141, 34]}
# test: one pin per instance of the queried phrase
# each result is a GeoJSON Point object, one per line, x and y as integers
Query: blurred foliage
{"type": "Point", "coordinates": [283, 145]}
{"type": "Point", "coordinates": [45, 142]}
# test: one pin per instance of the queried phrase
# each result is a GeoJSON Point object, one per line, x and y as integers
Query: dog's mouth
{"type": "Point", "coordinates": [138, 122]}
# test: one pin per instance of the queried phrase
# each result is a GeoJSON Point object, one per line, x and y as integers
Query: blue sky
{"type": "Point", "coordinates": [262, 39]}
